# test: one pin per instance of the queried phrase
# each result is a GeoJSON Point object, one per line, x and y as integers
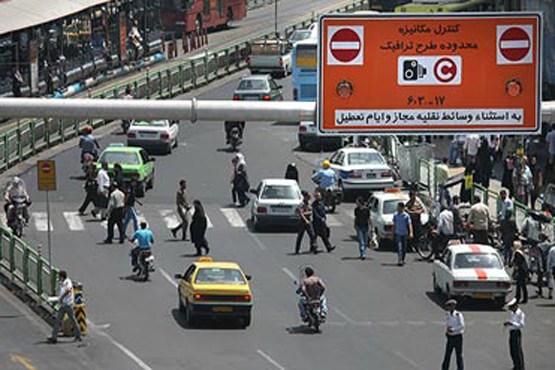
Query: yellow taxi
{"type": "Point", "coordinates": [210, 289]}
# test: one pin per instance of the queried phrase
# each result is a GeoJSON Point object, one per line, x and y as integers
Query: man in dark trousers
{"type": "Point", "coordinates": [454, 329]}
{"type": "Point", "coordinates": [116, 204]}
{"type": "Point", "coordinates": [515, 325]}
{"type": "Point", "coordinates": [319, 224]}
{"type": "Point", "coordinates": [305, 224]}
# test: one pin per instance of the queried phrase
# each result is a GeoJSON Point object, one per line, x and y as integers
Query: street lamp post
{"type": "Point", "coordinates": [276, 17]}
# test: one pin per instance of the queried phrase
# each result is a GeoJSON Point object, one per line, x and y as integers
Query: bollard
{"type": "Point", "coordinates": [79, 308]}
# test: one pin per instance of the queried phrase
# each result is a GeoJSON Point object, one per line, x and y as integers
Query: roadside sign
{"type": "Point", "coordinates": [429, 74]}
{"type": "Point", "coordinates": [46, 175]}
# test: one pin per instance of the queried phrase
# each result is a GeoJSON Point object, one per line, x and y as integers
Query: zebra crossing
{"type": "Point", "coordinates": [73, 221]}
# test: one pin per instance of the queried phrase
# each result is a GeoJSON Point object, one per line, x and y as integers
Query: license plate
{"type": "Point", "coordinates": [149, 135]}
{"type": "Point", "coordinates": [222, 309]}
{"type": "Point", "coordinates": [483, 295]}
{"type": "Point", "coordinates": [281, 211]}
{"type": "Point", "coordinates": [370, 175]}
{"type": "Point", "coordinates": [252, 98]}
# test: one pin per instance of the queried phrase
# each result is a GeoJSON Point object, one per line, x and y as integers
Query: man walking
{"type": "Point", "coordinates": [115, 211]}
{"type": "Point", "coordinates": [130, 213]}
{"type": "Point", "coordinates": [362, 226]}
{"type": "Point", "coordinates": [65, 299]}
{"type": "Point", "coordinates": [478, 219]}
{"type": "Point", "coordinates": [415, 208]}
{"type": "Point", "coordinates": [103, 182]}
{"type": "Point", "coordinates": [445, 230]}
{"type": "Point", "coordinates": [305, 224]}
{"type": "Point", "coordinates": [402, 229]}
{"type": "Point", "coordinates": [183, 207]}
{"type": "Point", "coordinates": [515, 325]}
{"type": "Point", "coordinates": [319, 224]}
{"type": "Point", "coordinates": [442, 175]}
{"type": "Point", "coordinates": [454, 329]}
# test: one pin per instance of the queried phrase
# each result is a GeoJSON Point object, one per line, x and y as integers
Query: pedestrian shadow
{"type": "Point", "coordinates": [299, 254]}
{"type": "Point", "coordinates": [353, 258]}
{"type": "Point", "coordinates": [227, 149]}
{"type": "Point", "coordinates": [545, 305]}
{"type": "Point", "coordinates": [78, 177]}
{"type": "Point", "coordinates": [190, 255]}
{"type": "Point", "coordinates": [300, 329]}
{"type": "Point", "coordinates": [464, 304]}
{"type": "Point", "coordinates": [390, 264]}
{"type": "Point", "coordinates": [133, 277]}
{"type": "Point", "coordinates": [172, 240]}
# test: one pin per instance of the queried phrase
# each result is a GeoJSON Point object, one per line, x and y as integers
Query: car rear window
{"type": "Point", "coordinates": [120, 157]}
{"type": "Point", "coordinates": [248, 85]}
{"type": "Point", "coordinates": [219, 276]}
{"type": "Point", "coordinates": [390, 206]}
{"type": "Point", "coordinates": [151, 123]}
{"type": "Point", "coordinates": [477, 260]}
{"type": "Point", "coordinates": [280, 192]}
{"type": "Point", "coordinates": [364, 158]}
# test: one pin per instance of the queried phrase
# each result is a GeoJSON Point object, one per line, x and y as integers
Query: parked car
{"type": "Point", "coordinates": [308, 136]}
{"type": "Point", "coordinates": [276, 203]}
{"type": "Point", "coordinates": [258, 87]}
{"type": "Point", "coordinates": [271, 56]}
{"type": "Point", "coordinates": [158, 134]}
{"type": "Point", "coordinates": [361, 168]}
{"type": "Point", "coordinates": [471, 271]}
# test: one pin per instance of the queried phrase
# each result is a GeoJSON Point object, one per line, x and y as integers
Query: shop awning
{"type": "Point", "coordinates": [20, 14]}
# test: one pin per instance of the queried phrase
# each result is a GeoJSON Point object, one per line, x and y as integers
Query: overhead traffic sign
{"type": "Point", "coordinates": [429, 74]}
{"type": "Point", "coordinates": [46, 175]}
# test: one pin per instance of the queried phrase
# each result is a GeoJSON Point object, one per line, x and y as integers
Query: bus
{"type": "Point", "coordinates": [440, 6]}
{"type": "Point", "coordinates": [185, 16]}
{"type": "Point", "coordinates": [304, 71]}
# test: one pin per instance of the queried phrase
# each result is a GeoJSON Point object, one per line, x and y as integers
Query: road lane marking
{"type": "Point", "coordinates": [74, 221]}
{"type": "Point", "coordinates": [170, 218]}
{"type": "Point", "coordinates": [269, 359]}
{"type": "Point", "coordinates": [343, 315]}
{"type": "Point", "coordinates": [168, 277]}
{"type": "Point", "coordinates": [18, 359]}
{"type": "Point", "coordinates": [289, 273]}
{"type": "Point", "coordinates": [406, 359]}
{"type": "Point", "coordinates": [258, 242]}
{"type": "Point", "coordinates": [233, 217]}
{"type": "Point", "coordinates": [41, 221]}
{"type": "Point", "coordinates": [332, 221]}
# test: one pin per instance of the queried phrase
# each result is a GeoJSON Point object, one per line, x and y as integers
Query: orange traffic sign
{"type": "Point", "coordinates": [46, 175]}
{"type": "Point", "coordinates": [426, 74]}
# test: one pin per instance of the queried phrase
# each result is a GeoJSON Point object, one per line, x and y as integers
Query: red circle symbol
{"type": "Point", "coordinates": [445, 70]}
{"type": "Point", "coordinates": [514, 44]}
{"type": "Point", "coordinates": [345, 45]}
{"type": "Point", "coordinates": [45, 167]}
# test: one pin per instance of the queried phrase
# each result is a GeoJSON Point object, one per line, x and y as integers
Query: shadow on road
{"type": "Point", "coordinates": [464, 304]}
{"type": "Point", "coordinates": [301, 329]}
{"type": "Point", "coordinates": [217, 324]}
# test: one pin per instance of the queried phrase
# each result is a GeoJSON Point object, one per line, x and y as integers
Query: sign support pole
{"type": "Point", "coordinates": [49, 231]}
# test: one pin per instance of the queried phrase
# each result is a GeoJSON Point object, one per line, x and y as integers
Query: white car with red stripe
{"type": "Point", "coordinates": [471, 271]}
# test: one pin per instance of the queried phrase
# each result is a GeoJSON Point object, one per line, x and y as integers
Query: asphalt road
{"type": "Point", "coordinates": [381, 316]}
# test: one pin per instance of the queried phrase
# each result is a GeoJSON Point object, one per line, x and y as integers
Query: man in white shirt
{"type": "Point", "coordinates": [103, 182]}
{"type": "Point", "coordinates": [116, 206]}
{"type": "Point", "coordinates": [66, 301]}
{"type": "Point", "coordinates": [472, 145]}
{"type": "Point", "coordinates": [454, 329]}
{"type": "Point", "coordinates": [515, 324]}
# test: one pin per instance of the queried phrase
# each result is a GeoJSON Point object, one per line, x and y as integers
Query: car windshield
{"type": "Point", "coordinates": [477, 260]}
{"type": "Point", "coordinates": [390, 206]}
{"type": "Point", "coordinates": [280, 192]}
{"type": "Point", "coordinates": [214, 275]}
{"type": "Point", "coordinates": [300, 35]}
{"type": "Point", "coordinates": [151, 123]}
{"type": "Point", "coordinates": [364, 158]}
{"type": "Point", "coordinates": [252, 84]}
{"type": "Point", "coordinates": [120, 157]}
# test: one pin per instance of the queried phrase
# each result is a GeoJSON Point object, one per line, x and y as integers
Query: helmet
{"type": "Point", "coordinates": [326, 164]}
{"type": "Point", "coordinates": [88, 130]}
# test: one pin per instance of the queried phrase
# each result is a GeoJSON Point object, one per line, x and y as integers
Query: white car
{"type": "Point", "coordinates": [361, 169]}
{"type": "Point", "coordinates": [308, 136]}
{"type": "Point", "coordinates": [471, 271]}
{"type": "Point", "coordinates": [383, 205]}
{"type": "Point", "coordinates": [276, 203]}
{"type": "Point", "coordinates": [158, 134]}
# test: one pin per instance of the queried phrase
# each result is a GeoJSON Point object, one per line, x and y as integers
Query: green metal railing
{"type": "Point", "coordinates": [26, 268]}
{"type": "Point", "coordinates": [34, 135]}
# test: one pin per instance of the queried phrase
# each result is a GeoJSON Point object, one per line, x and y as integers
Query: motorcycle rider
{"type": "Point", "coordinates": [88, 144]}
{"type": "Point", "coordinates": [326, 179]}
{"type": "Point", "coordinates": [312, 287]}
{"type": "Point", "coordinates": [16, 190]}
{"type": "Point", "coordinates": [143, 239]}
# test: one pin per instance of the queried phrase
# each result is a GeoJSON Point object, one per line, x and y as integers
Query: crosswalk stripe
{"type": "Point", "coordinates": [333, 221]}
{"type": "Point", "coordinates": [74, 221]}
{"type": "Point", "coordinates": [171, 220]}
{"type": "Point", "coordinates": [41, 221]}
{"type": "Point", "coordinates": [233, 217]}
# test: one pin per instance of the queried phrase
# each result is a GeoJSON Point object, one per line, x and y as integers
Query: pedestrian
{"type": "Point", "coordinates": [415, 208]}
{"type": "Point", "coordinates": [103, 191]}
{"type": "Point", "coordinates": [291, 172]}
{"type": "Point", "coordinates": [17, 82]}
{"type": "Point", "coordinates": [319, 223]}
{"type": "Point", "coordinates": [90, 187]}
{"type": "Point", "coordinates": [442, 176]}
{"type": "Point", "coordinates": [478, 221]}
{"type": "Point", "coordinates": [199, 224]}
{"type": "Point", "coordinates": [550, 268]}
{"type": "Point", "coordinates": [241, 180]}
{"type": "Point", "coordinates": [469, 178]}
{"type": "Point", "coordinates": [472, 145]}
{"type": "Point", "coordinates": [454, 329]}
{"type": "Point", "coordinates": [362, 226]}
{"type": "Point", "coordinates": [183, 207]}
{"type": "Point", "coordinates": [115, 214]}
{"type": "Point", "coordinates": [445, 230]}
{"type": "Point", "coordinates": [118, 179]}
{"type": "Point", "coordinates": [509, 234]}
{"type": "Point", "coordinates": [537, 180]}
{"type": "Point", "coordinates": [507, 204]}
{"type": "Point", "coordinates": [304, 212]}
{"type": "Point", "coordinates": [129, 211]}
{"type": "Point", "coordinates": [508, 169]}
{"type": "Point", "coordinates": [520, 275]}
{"type": "Point", "coordinates": [457, 218]}
{"type": "Point", "coordinates": [522, 181]}
{"type": "Point", "coordinates": [515, 326]}
{"type": "Point", "coordinates": [66, 300]}
{"type": "Point", "coordinates": [484, 163]}
{"type": "Point", "coordinates": [543, 271]}
{"type": "Point", "coordinates": [531, 228]}
{"type": "Point", "coordinates": [402, 228]}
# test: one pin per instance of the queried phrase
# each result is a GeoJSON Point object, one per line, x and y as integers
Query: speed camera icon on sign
{"type": "Point", "coordinates": [429, 70]}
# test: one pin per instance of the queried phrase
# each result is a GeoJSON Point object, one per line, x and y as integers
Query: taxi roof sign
{"type": "Point", "coordinates": [429, 73]}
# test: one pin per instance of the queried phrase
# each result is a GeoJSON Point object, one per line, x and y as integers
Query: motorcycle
{"type": "Point", "coordinates": [313, 308]}
{"type": "Point", "coordinates": [145, 264]}
{"type": "Point", "coordinates": [332, 198]}
{"type": "Point", "coordinates": [235, 139]}
{"type": "Point", "coordinates": [16, 219]}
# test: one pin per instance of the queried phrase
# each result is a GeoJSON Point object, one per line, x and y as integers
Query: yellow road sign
{"type": "Point", "coordinates": [46, 175]}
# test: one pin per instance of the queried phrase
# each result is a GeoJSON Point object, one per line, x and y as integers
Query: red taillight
{"type": "Point", "coordinates": [197, 297]}
{"type": "Point", "coordinates": [355, 175]}
{"type": "Point", "coordinates": [281, 62]}
{"type": "Point", "coordinates": [236, 97]}
{"type": "Point", "coordinates": [387, 174]}
{"type": "Point", "coordinates": [303, 129]}
{"type": "Point", "coordinates": [135, 175]}
{"type": "Point", "coordinates": [243, 298]}
{"type": "Point", "coordinates": [295, 94]}
{"type": "Point", "coordinates": [165, 136]}
{"type": "Point", "coordinates": [266, 97]}
{"type": "Point", "coordinates": [261, 209]}
{"type": "Point", "coordinates": [131, 135]}
{"type": "Point", "coordinates": [460, 284]}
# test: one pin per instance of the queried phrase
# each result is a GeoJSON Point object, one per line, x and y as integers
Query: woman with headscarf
{"type": "Point", "coordinates": [199, 223]}
{"type": "Point", "coordinates": [291, 172]}
{"type": "Point", "coordinates": [240, 180]}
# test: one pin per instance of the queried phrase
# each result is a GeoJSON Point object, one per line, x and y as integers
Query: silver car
{"type": "Point", "coordinates": [258, 87]}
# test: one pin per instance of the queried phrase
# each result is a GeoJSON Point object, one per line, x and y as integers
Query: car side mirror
{"type": "Point", "coordinates": [249, 277]}
{"type": "Point", "coordinates": [178, 276]}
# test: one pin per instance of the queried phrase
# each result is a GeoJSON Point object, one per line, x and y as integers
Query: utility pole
{"type": "Point", "coordinates": [276, 17]}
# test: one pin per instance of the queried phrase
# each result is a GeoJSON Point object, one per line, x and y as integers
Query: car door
{"type": "Point", "coordinates": [443, 270]}
{"type": "Point", "coordinates": [336, 162]}
{"type": "Point", "coordinates": [275, 91]}
{"type": "Point", "coordinates": [185, 286]}
{"type": "Point", "coordinates": [174, 129]}
{"type": "Point", "coordinates": [148, 165]}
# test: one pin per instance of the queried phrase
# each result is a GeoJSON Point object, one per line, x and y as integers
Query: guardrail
{"type": "Point", "coordinates": [25, 267]}
{"type": "Point", "coordinates": [35, 135]}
